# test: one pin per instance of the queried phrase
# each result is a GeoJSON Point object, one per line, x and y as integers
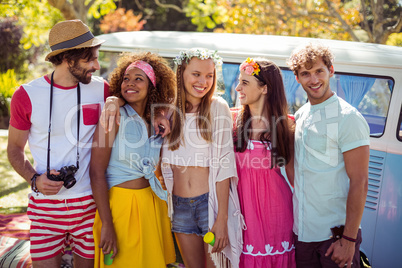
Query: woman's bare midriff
{"type": "Point", "coordinates": [134, 184]}
{"type": "Point", "coordinates": [190, 181]}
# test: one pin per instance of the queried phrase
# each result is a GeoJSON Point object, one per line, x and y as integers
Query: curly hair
{"type": "Point", "coordinates": [308, 55]}
{"type": "Point", "coordinates": [165, 90]}
{"type": "Point", "coordinates": [279, 131]}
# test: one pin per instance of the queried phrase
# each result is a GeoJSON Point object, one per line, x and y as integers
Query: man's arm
{"type": "Point", "coordinates": [17, 140]}
{"type": "Point", "coordinates": [356, 164]}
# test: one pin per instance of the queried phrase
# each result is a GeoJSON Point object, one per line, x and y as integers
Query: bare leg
{"type": "Point", "coordinates": [54, 262]}
{"type": "Point", "coordinates": [210, 262]}
{"type": "Point", "coordinates": [82, 262]}
{"type": "Point", "coordinates": [192, 250]}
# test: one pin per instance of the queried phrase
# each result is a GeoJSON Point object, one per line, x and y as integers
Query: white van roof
{"type": "Point", "coordinates": [237, 47]}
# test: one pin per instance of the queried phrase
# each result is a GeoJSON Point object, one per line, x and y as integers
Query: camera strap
{"type": "Point", "coordinates": [50, 122]}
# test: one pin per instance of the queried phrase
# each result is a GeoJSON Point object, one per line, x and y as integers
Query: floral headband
{"type": "Point", "coordinates": [200, 53]}
{"type": "Point", "coordinates": [250, 67]}
{"type": "Point", "coordinates": [145, 67]}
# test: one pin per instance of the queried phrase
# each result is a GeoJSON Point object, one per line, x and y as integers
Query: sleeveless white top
{"type": "Point", "coordinates": [193, 150]}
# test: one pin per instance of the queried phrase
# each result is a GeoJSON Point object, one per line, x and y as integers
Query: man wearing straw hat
{"type": "Point", "coordinates": [57, 115]}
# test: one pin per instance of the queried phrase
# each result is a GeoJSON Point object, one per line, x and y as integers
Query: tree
{"type": "Point", "coordinates": [381, 19]}
{"type": "Point", "coordinates": [36, 17]}
{"type": "Point", "coordinates": [160, 16]}
{"type": "Point", "coordinates": [282, 17]}
{"type": "Point", "coordinates": [120, 20]}
{"type": "Point", "coordinates": [79, 9]}
{"type": "Point", "coordinates": [336, 19]}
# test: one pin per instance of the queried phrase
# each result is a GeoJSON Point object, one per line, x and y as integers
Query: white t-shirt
{"type": "Point", "coordinates": [30, 111]}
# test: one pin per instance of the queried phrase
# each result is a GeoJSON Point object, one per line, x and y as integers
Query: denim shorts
{"type": "Point", "coordinates": [190, 215]}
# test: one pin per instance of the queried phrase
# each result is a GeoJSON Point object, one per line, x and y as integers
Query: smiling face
{"type": "Point", "coordinates": [198, 79]}
{"type": "Point", "coordinates": [134, 88]}
{"type": "Point", "coordinates": [315, 81]}
{"type": "Point", "coordinates": [250, 92]}
{"type": "Point", "coordinates": [82, 69]}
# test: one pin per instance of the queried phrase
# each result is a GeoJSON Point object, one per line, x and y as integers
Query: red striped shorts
{"type": "Point", "coordinates": [57, 223]}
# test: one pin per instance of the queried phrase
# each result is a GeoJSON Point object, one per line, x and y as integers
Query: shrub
{"type": "Point", "coordinates": [8, 84]}
{"type": "Point", "coordinates": [395, 39]}
{"type": "Point", "coordinates": [12, 55]}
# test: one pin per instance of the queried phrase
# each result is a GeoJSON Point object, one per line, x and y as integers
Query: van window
{"type": "Point", "coordinates": [369, 94]}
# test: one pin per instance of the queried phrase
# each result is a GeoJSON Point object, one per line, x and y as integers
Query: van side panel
{"type": "Point", "coordinates": [369, 220]}
{"type": "Point", "coordinates": [386, 251]}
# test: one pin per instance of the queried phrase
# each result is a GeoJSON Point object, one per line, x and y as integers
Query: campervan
{"type": "Point", "coordinates": [368, 76]}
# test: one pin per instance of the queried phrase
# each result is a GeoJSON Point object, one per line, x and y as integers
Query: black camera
{"type": "Point", "coordinates": [66, 175]}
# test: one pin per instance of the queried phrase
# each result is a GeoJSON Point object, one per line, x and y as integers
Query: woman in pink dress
{"type": "Point", "coordinates": [263, 141]}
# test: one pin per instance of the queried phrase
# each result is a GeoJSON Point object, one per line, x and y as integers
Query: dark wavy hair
{"type": "Point", "coordinates": [74, 55]}
{"type": "Point", "coordinates": [165, 90]}
{"type": "Point", "coordinates": [279, 131]}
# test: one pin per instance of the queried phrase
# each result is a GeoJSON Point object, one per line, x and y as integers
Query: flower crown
{"type": "Point", "coordinates": [201, 53]}
{"type": "Point", "coordinates": [250, 67]}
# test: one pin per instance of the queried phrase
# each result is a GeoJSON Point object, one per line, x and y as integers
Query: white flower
{"type": "Point", "coordinates": [249, 248]}
{"type": "Point", "coordinates": [268, 248]}
{"type": "Point", "coordinates": [202, 54]}
{"type": "Point", "coordinates": [285, 245]}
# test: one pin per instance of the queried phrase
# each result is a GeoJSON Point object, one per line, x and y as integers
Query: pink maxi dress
{"type": "Point", "coordinates": [266, 203]}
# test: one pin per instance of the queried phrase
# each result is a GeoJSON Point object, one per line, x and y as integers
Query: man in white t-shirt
{"type": "Point", "coordinates": [330, 169]}
{"type": "Point", "coordinates": [44, 113]}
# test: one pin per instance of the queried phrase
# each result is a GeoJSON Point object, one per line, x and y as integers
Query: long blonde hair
{"type": "Point", "coordinates": [175, 137]}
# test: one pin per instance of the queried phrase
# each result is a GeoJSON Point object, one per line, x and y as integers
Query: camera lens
{"type": "Point", "coordinates": [69, 182]}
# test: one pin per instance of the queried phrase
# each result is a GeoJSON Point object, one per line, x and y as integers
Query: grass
{"type": "Point", "coordinates": [14, 189]}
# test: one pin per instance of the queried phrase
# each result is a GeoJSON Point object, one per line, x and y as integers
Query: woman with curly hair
{"type": "Point", "coordinates": [131, 220]}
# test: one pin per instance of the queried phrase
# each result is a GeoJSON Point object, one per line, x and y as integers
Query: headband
{"type": "Point", "coordinates": [145, 67]}
{"type": "Point", "coordinates": [250, 67]}
{"type": "Point", "coordinates": [201, 53]}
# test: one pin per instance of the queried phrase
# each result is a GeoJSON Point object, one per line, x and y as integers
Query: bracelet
{"type": "Point", "coordinates": [33, 183]}
{"type": "Point", "coordinates": [349, 238]}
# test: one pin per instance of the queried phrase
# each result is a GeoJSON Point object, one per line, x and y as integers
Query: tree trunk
{"type": "Point", "coordinates": [76, 10]}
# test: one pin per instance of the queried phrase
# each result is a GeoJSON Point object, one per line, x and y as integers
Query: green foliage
{"type": "Point", "coordinates": [159, 18]}
{"type": "Point", "coordinates": [8, 84]}
{"type": "Point", "coordinates": [395, 39]}
{"type": "Point", "coordinates": [206, 13]}
{"type": "Point", "coordinates": [293, 18]}
{"type": "Point", "coordinates": [37, 17]}
{"type": "Point", "coordinates": [100, 8]}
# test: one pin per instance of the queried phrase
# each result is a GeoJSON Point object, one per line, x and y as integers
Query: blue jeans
{"type": "Point", "coordinates": [190, 215]}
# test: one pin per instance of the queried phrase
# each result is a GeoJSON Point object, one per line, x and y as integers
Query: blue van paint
{"type": "Point", "coordinates": [382, 227]}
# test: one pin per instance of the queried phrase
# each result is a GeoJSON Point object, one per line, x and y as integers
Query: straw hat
{"type": "Point", "coordinates": [70, 34]}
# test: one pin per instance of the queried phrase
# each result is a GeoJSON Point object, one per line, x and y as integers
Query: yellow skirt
{"type": "Point", "coordinates": [142, 226]}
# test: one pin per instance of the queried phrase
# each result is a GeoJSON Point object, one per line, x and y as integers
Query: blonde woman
{"type": "Point", "coordinates": [198, 166]}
